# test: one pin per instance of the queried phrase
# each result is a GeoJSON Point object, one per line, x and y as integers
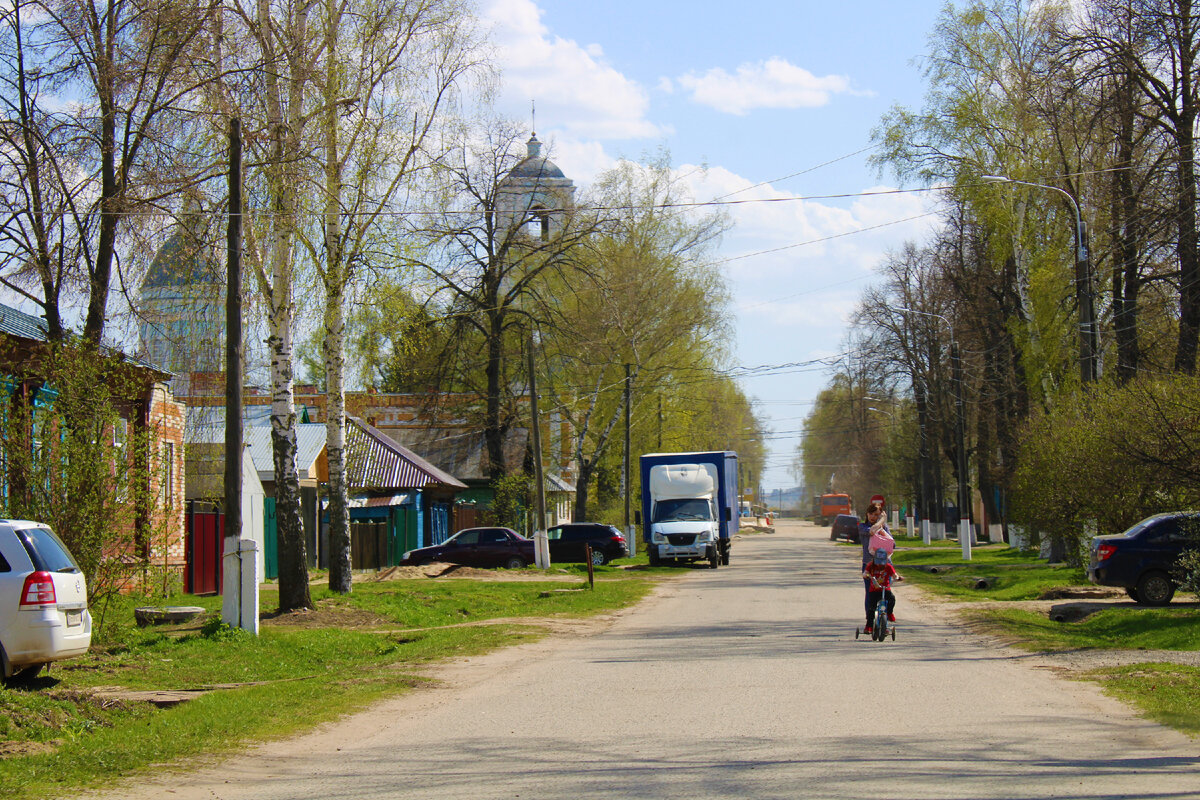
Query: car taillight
{"type": "Point", "coordinates": [1105, 550]}
{"type": "Point", "coordinates": [38, 590]}
{"type": "Point", "coordinates": [616, 537]}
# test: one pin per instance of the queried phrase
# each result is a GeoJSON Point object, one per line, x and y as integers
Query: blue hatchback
{"type": "Point", "coordinates": [1144, 559]}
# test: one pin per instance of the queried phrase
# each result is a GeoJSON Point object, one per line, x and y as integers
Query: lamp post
{"type": "Point", "coordinates": [964, 495]}
{"type": "Point", "coordinates": [1089, 341]}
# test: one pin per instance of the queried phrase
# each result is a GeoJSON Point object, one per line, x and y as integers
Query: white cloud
{"type": "Point", "coordinates": [773, 83]}
{"type": "Point", "coordinates": [575, 88]}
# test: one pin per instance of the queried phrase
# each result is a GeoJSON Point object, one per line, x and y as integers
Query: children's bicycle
{"type": "Point", "coordinates": [880, 628]}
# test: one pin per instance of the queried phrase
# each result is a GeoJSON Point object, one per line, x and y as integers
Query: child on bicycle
{"type": "Point", "coordinates": [879, 574]}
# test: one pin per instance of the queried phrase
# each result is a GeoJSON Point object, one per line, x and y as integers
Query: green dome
{"type": "Point", "coordinates": [178, 263]}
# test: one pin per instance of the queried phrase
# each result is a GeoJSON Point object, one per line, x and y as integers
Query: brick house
{"type": "Point", "coordinates": [147, 412]}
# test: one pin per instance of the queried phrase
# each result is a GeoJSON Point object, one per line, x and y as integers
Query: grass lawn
{"type": "Point", "coordinates": [60, 734]}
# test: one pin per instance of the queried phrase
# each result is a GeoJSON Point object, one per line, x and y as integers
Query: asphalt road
{"type": "Point", "coordinates": [741, 682]}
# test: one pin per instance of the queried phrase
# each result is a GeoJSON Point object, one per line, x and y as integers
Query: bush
{"type": "Point", "coordinates": [1103, 459]}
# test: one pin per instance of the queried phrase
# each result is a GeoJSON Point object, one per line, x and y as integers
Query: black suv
{"type": "Point", "coordinates": [845, 527]}
{"type": "Point", "coordinates": [1144, 559]}
{"type": "Point", "coordinates": [567, 542]}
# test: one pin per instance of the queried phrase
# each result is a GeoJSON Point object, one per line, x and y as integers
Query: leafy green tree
{"type": "Point", "coordinates": [650, 299]}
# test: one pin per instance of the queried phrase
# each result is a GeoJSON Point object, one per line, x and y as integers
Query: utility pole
{"type": "Point", "coordinates": [1089, 336]}
{"type": "Point", "coordinates": [239, 561]}
{"type": "Point", "coordinates": [630, 539]}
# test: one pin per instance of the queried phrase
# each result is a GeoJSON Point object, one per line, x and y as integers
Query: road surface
{"type": "Point", "coordinates": [741, 682]}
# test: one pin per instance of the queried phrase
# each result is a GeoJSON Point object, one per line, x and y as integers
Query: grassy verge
{"type": "Point", "coordinates": [1126, 628]}
{"type": "Point", "coordinates": [64, 731]}
{"type": "Point", "coordinates": [1166, 693]}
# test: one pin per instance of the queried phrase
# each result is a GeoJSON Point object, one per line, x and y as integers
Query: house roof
{"type": "Point", "coordinates": [460, 451]}
{"type": "Point", "coordinates": [18, 323]}
{"type": "Point", "coordinates": [375, 460]}
{"type": "Point", "coordinates": [26, 326]}
{"type": "Point", "coordinates": [555, 483]}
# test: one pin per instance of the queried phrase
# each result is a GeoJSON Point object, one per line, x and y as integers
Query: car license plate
{"type": "Point", "coordinates": [74, 619]}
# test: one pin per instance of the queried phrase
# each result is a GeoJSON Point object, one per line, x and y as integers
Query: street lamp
{"type": "Point", "coordinates": [1089, 343]}
{"type": "Point", "coordinates": [964, 495]}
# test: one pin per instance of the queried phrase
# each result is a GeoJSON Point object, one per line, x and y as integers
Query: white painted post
{"type": "Point", "coordinates": [250, 558]}
{"type": "Point", "coordinates": [231, 584]}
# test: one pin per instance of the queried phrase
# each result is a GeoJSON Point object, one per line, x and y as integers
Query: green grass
{"type": "Point", "coordinates": [994, 572]}
{"type": "Point", "coordinates": [58, 735]}
{"type": "Point", "coordinates": [1166, 693]}
{"type": "Point", "coordinates": [1123, 628]}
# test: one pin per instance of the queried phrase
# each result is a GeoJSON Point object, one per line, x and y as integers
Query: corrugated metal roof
{"type": "Point", "coordinates": [375, 460]}
{"type": "Point", "coordinates": [460, 451]}
{"type": "Point", "coordinates": [26, 326]}
{"type": "Point", "coordinates": [18, 323]}
{"type": "Point", "coordinates": [310, 442]}
{"type": "Point", "coordinates": [557, 484]}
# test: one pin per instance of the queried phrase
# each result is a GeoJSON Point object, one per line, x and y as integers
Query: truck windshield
{"type": "Point", "coordinates": [691, 508]}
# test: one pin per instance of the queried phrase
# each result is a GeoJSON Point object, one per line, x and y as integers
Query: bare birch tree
{"type": "Point", "coordinates": [391, 69]}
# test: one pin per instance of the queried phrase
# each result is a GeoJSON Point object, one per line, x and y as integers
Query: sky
{"type": "Point", "coordinates": [767, 101]}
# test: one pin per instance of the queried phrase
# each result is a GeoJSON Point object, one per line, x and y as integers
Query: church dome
{"type": "Point", "coordinates": [178, 263]}
{"type": "Point", "coordinates": [535, 165]}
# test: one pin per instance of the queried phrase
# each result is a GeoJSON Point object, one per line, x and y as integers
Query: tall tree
{"type": "Point", "coordinates": [78, 175]}
{"type": "Point", "coordinates": [489, 252]}
{"type": "Point", "coordinates": [652, 299]}
{"type": "Point", "coordinates": [390, 69]}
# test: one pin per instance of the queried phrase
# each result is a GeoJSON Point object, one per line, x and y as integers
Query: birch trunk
{"type": "Point", "coordinates": [335, 279]}
{"type": "Point", "coordinates": [293, 559]}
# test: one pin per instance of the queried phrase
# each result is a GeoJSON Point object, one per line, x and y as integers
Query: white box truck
{"type": "Point", "coordinates": [689, 503]}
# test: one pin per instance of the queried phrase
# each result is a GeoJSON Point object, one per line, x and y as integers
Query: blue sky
{"type": "Point", "coordinates": [777, 98]}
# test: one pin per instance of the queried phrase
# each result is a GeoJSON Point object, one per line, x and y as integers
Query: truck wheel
{"type": "Point", "coordinates": [725, 557]}
{"type": "Point", "coordinates": [1155, 589]}
{"type": "Point", "coordinates": [655, 561]}
{"type": "Point", "coordinates": [714, 557]}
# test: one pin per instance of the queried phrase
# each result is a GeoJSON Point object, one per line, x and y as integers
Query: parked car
{"type": "Point", "coordinates": [1143, 560]}
{"type": "Point", "coordinates": [568, 543]}
{"type": "Point", "coordinates": [845, 526]}
{"type": "Point", "coordinates": [477, 547]}
{"type": "Point", "coordinates": [43, 600]}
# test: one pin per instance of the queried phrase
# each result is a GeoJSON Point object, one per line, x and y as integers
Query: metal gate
{"type": "Point", "coordinates": [205, 541]}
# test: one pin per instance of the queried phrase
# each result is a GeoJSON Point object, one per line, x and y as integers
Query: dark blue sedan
{"type": "Point", "coordinates": [477, 547]}
{"type": "Point", "coordinates": [1144, 559]}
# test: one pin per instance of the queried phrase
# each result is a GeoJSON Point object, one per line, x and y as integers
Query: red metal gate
{"type": "Point", "coordinates": [205, 540]}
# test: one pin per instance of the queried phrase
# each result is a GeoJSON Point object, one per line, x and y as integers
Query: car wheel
{"type": "Point", "coordinates": [27, 673]}
{"type": "Point", "coordinates": [1155, 589]}
{"type": "Point", "coordinates": [1132, 592]}
{"type": "Point", "coordinates": [514, 562]}
{"type": "Point", "coordinates": [599, 559]}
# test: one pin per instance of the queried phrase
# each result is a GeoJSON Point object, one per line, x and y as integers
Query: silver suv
{"type": "Point", "coordinates": [43, 600]}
